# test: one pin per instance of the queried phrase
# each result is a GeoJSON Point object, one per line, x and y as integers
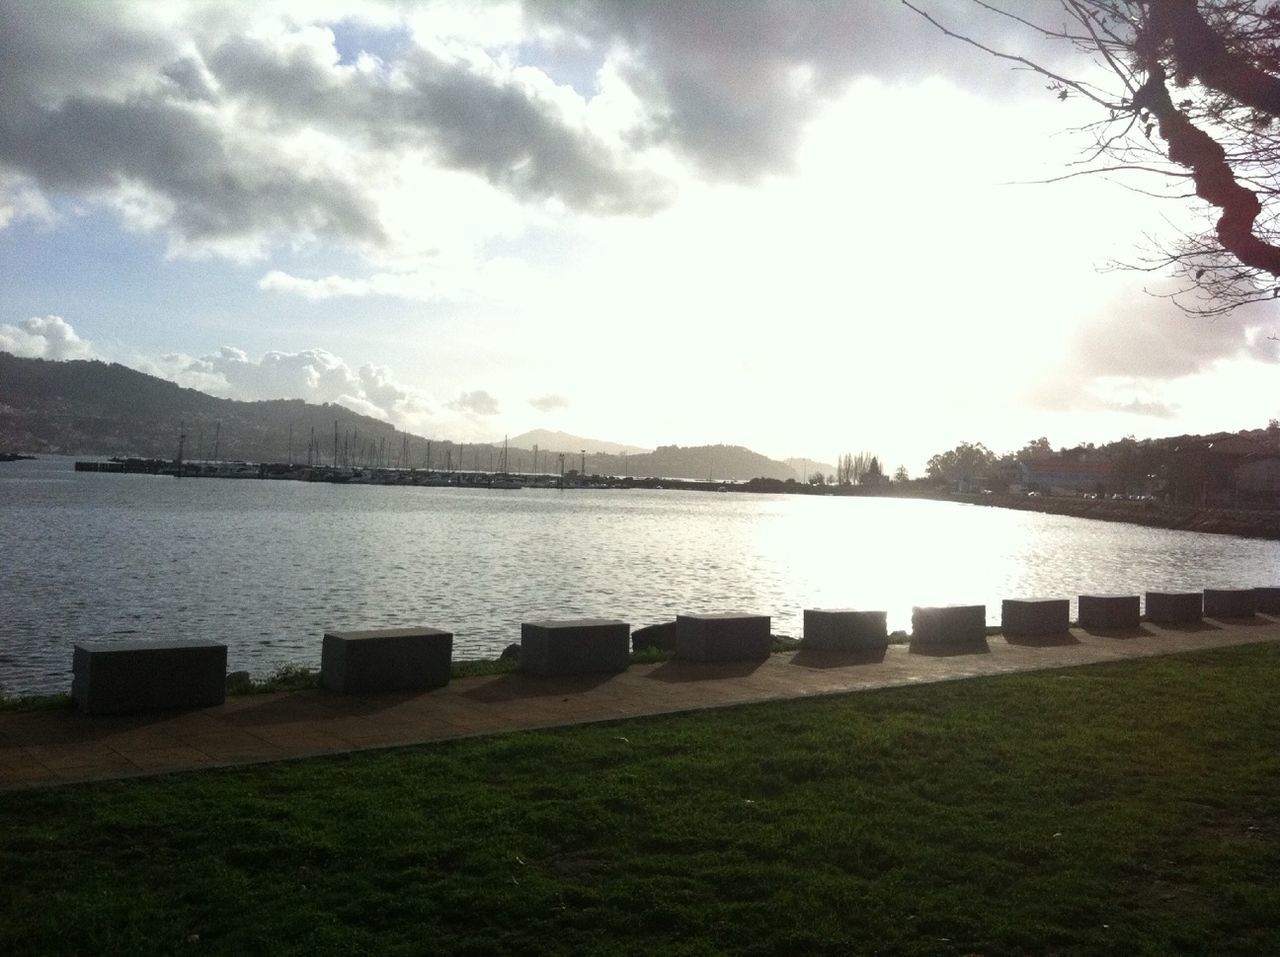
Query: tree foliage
{"type": "Point", "coordinates": [967, 462]}
{"type": "Point", "coordinates": [1190, 92]}
{"type": "Point", "coordinates": [852, 467]}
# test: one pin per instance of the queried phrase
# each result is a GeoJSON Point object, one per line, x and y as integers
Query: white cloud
{"type": "Point", "coordinates": [49, 337]}
{"type": "Point", "coordinates": [318, 376]}
{"type": "Point", "coordinates": [549, 402]}
{"type": "Point", "coordinates": [420, 285]}
{"type": "Point", "coordinates": [314, 375]}
{"type": "Point", "coordinates": [478, 402]}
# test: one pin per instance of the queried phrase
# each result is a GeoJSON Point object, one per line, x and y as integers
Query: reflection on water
{"type": "Point", "coordinates": [268, 566]}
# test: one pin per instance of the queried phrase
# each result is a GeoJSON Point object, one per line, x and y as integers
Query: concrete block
{"type": "Point", "coordinates": [574, 647]}
{"type": "Point", "coordinates": [724, 637]}
{"type": "Point", "coordinates": [1268, 600]}
{"type": "Point", "coordinates": [1230, 602]}
{"type": "Point", "coordinates": [1174, 607]}
{"type": "Point", "coordinates": [387, 659]}
{"type": "Point", "coordinates": [1028, 617]}
{"type": "Point", "coordinates": [949, 624]}
{"type": "Point", "coordinates": [1110, 612]}
{"type": "Point", "coordinates": [115, 677]}
{"type": "Point", "coordinates": [844, 629]}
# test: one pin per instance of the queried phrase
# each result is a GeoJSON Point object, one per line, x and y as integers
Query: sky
{"type": "Point", "coordinates": [808, 228]}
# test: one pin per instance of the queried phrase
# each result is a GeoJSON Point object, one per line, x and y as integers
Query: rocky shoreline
{"type": "Point", "coordinates": [1245, 522]}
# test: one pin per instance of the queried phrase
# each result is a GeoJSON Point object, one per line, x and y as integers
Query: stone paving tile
{"type": "Point", "coordinates": [232, 745]}
{"type": "Point", "coordinates": [45, 747]}
{"type": "Point", "coordinates": [178, 757]}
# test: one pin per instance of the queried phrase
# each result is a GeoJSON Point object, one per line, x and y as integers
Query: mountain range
{"type": "Point", "coordinates": [92, 408]}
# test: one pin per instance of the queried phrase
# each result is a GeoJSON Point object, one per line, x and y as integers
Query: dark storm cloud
{"type": "Point", "coordinates": [732, 83]}
{"type": "Point", "coordinates": [217, 190]}
{"type": "Point", "coordinates": [194, 110]}
{"type": "Point", "coordinates": [466, 119]}
{"type": "Point", "coordinates": [93, 103]}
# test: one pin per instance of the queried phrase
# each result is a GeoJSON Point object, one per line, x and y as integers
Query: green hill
{"type": "Point", "coordinates": [86, 407]}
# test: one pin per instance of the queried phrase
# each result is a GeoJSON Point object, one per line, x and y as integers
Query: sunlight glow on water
{"type": "Point", "coordinates": [267, 567]}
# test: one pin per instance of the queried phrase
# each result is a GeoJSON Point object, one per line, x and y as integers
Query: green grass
{"type": "Point", "coordinates": [1127, 808]}
{"type": "Point", "coordinates": [48, 702]}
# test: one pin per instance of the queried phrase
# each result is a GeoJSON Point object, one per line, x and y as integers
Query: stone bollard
{"type": "Point", "coordinates": [723, 637]}
{"type": "Point", "coordinates": [387, 659]}
{"type": "Point", "coordinates": [1110, 612]}
{"type": "Point", "coordinates": [1174, 607]}
{"type": "Point", "coordinates": [1031, 617]}
{"type": "Point", "coordinates": [844, 629]}
{"type": "Point", "coordinates": [949, 624]}
{"type": "Point", "coordinates": [116, 677]}
{"type": "Point", "coordinates": [1230, 602]}
{"type": "Point", "coordinates": [1268, 600]}
{"type": "Point", "coordinates": [576, 646]}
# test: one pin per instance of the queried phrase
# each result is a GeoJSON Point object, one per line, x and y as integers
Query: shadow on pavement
{"type": "Point", "coordinates": [1142, 631]}
{"type": "Point", "coordinates": [678, 670]}
{"type": "Point", "coordinates": [949, 649]}
{"type": "Point", "coordinates": [815, 658]}
{"type": "Point", "coordinates": [511, 687]}
{"type": "Point", "coordinates": [1187, 626]}
{"type": "Point", "coordinates": [1061, 639]}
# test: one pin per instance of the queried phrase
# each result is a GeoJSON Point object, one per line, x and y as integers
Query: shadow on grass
{"type": "Point", "coordinates": [950, 649]}
{"type": "Point", "coordinates": [824, 658]}
{"type": "Point", "coordinates": [1060, 639]}
{"type": "Point", "coordinates": [517, 685]}
{"type": "Point", "coordinates": [679, 670]}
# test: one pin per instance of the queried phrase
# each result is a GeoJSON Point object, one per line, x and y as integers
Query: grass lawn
{"type": "Point", "coordinates": [1128, 808]}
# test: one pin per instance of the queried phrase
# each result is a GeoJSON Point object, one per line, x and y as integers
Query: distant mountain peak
{"type": "Point", "coordinates": [549, 441]}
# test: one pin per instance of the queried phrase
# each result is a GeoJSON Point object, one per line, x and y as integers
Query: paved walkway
{"type": "Point", "coordinates": [58, 747]}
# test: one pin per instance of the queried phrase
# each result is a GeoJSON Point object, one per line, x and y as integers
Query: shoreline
{"type": "Point", "coordinates": [1242, 522]}
{"type": "Point", "coordinates": [1259, 523]}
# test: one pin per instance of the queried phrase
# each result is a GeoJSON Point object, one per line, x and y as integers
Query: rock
{"type": "Point", "coordinates": [238, 681]}
{"type": "Point", "coordinates": [510, 653]}
{"type": "Point", "coordinates": [662, 637]}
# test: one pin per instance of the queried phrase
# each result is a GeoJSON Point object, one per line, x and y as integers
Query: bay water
{"type": "Point", "coordinates": [268, 566]}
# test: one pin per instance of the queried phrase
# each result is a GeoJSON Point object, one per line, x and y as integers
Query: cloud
{"type": "Point", "coordinates": [313, 375]}
{"type": "Point", "coordinates": [549, 402]}
{"type": "Point", "coordinates": [1123, 357]}
{"type": "Point", "coordinates": [478, 402]}
{"type": "Point", "coordinates": [1147, 337]}
{"type": "Point", "coordinates": [1154, 410]}
{"type": "Point", "coordinates": [233, 128]}
{"type": "Point", "coordinates": [328, 287]}
{"type": "Point", "coordinates": [733, 84]}
{"type": "Point", "coordinates": [424, 285]}
{"type": "Point", "coordinates": [236, 130]}
{"type": "Point", "coordinates": [508, 126]}
{"type": "Point", "coordinates": [50, 337]}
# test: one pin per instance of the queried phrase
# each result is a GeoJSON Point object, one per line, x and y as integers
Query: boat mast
{"type": "Point", "coordinates": [182, 441]}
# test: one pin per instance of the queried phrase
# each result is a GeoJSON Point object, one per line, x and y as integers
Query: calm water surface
{"type": "Point", "coordinates": [267, 567]}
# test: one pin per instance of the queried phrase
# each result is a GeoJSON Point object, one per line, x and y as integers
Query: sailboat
{"type": "Point", "coordinates": [503, 478]}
